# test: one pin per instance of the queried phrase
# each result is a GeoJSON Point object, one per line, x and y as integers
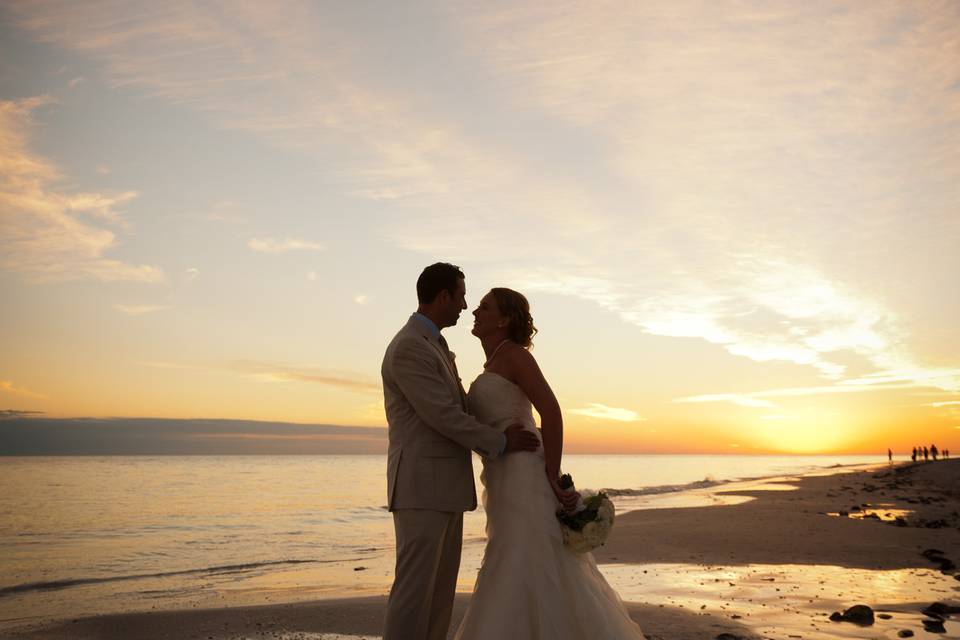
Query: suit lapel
{"type": "Point", "coordinates": [456, 374]}
{"type": "Point", "coordinates": [445, 356]}
{"type": "Point", "coordinates": [451, 368]}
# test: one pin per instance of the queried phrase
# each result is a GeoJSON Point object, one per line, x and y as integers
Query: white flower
{"type": "Point", "coordinates": [593, 533]}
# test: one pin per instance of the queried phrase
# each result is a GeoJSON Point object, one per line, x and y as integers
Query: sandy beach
{"type": "Point", "coordinates": [775, 566]}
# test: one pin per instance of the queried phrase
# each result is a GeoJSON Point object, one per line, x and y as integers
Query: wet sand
{"type": "Point", "coordinates": [329, 620]}
{"type": "Point", "coordinates": [780, 527]}
{"type": "Point", "coordinates": [776, 567]}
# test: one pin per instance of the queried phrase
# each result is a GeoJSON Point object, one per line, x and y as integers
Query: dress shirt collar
{"type": "Point", "coordinates": [429, 323]}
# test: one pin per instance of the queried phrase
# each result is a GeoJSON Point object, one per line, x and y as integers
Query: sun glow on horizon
{"type": "Point", "coordinates": [806, 438]}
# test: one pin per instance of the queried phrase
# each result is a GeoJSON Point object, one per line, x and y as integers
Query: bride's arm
{"type": "Point", "coordinates": [530, 379]}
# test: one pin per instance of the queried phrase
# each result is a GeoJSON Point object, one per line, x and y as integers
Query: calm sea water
{"type": "Point", "coordinates": [83, 535]}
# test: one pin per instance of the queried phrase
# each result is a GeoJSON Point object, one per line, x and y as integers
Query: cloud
{"type": "Point", "coordinates": [882, 381]}
{"type": "Point", "coordinates": [43, 231]}
{"type": "Point", "coordinates": [361, 299]}
{"type": "Point", "coordinates": [764, 309]}
{"type": "Point", "coordinates": [296, 79]}
{"type": "Point", "coordinates": [944, 404]}
{"type": "Point", "coordinates": [285, 75]}
{"type": "Point", "coordinates": [279, 372]}
{"type": "Point", "coordinates": [603, 412]}
{"type": "Point", "coordinates": [739, 399]}
{"type": "Point", "coordinates": [944, 379]}
{"type": "Point", "coordinates": [31, 435]}
{"type": "Point", "coordinates": [225, 211]}
{"type": "Point", "coordinates": [16, 413]}
{"type": "Point", "coordinates": [139, 309]}
{"type": "Point", "coordinates": [191, 274]}
{"type": "Point", "coordinates": [273, 372]}
{"type": "Point", "coordinates": [285, 245]}
{"type": "Point", "coordinates": [156, 364]}
{"type": "Point", "coordinates": [8, 387]}
{"type": "Point", "coordinates": [376, 436]}
{"type": "Point", "coordinates": [99, 205]}
{"type": "Point", "coordinates": [776, 213]}
{"type": "Point", "coordinates": [625, 71]}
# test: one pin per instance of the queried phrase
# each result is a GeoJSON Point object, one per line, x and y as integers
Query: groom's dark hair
{"type": "Point", "coordinates": [435, 279]}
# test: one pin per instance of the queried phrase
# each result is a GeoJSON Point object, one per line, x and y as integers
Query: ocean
{"type": "Point", "coordinates": [85, 535]}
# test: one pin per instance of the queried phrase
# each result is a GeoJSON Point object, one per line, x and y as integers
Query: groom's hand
{"type": "Point", "coordinates": [519, 439]}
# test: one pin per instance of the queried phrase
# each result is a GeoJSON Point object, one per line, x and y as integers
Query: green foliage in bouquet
{"type": "Point", "coordinates": [579, 519]}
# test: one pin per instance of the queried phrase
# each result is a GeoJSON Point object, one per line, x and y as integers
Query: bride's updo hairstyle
{"type": "Point", "coordinates": [514, 306]}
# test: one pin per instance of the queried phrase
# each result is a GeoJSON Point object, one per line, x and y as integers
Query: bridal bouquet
{"type": "Point", "coordinates": [589, 525]}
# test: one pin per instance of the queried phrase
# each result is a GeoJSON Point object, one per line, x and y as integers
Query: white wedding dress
{"type": "Point", "coordinates": [530, 586]}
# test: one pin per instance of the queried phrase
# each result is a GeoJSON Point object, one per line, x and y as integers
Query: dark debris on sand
{"type": "Point", "coordinates": [859, 614]}
{"type": "Point", "coordinates": [946, 565]}
{"type": "Point", "coordinates": [939, 610]}
{"type": "Point", "coordinates": [899, 484]}
{"type": "Point", "coordinates": [862, 615]}
{"type": "Point", "coordinates": [934, 626]}
{"type": "Point", "coordinates": [937, 613]}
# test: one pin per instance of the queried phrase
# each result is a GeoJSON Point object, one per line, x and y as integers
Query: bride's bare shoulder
{"type": "Point", "coordinates": [519, 357]}
{"type": "Point", "coordinates": [526, 374]}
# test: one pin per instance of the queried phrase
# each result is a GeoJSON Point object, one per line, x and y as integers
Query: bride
{"type": "Point", "coordinates": [529, 586]}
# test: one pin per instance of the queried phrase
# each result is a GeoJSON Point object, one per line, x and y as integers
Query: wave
{"type": "Point", "coordinates": [710, 481]}
{"type": "Point", "coordinates": [706, 483]}
{"type": "Point", "coordinates": [73, 582]}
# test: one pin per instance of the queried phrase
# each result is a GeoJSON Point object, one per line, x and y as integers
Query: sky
{"type": "Point", "coordinates": [737, 223]}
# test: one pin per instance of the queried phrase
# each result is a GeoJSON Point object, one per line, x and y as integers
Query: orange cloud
{"type": "Point", "coordinates": [281, 373]}
{"type": "Point", "coordinates": [42, 234]}
{"type": "Point", "coordinates": [603, 412]}
{"type": "Point", "coordinates": [8, 387]}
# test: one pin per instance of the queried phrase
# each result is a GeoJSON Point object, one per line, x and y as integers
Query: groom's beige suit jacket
{"type": "Point", "coordinates": [429, 430]}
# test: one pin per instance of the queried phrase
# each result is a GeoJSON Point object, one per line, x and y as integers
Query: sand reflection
{"type": "Point", "coordinates": [787, 601]}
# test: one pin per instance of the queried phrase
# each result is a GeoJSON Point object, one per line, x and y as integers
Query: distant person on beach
{"type": "Point", "coordinates": [913, 454]}
{"type": "Point", "coordinates": [933, 451]}
{"type": "Point", "coordinates": [926, 454]}
{"type": "Point", "coordinates": [889, 455]}
{"type": "Point", "coordinates": [531, 586]}
{"type": "Point", "coordinates": [429, 471]}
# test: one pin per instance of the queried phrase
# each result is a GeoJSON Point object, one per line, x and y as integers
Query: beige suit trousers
{"type": "Point", "coordinates": [425, 581]}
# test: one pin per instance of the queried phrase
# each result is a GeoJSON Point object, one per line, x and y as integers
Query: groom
{"type": "Point", "coordinates": [429, 470]}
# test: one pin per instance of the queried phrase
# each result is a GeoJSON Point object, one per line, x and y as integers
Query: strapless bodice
{"type": "Point", "coordinates": [496, 401]}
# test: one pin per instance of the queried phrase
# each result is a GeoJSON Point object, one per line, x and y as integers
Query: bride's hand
{"type": "Point", "coordinates": [569, 498]}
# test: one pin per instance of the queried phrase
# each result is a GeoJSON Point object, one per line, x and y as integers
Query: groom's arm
{"type": "Point", "coordinates": [415, 372]}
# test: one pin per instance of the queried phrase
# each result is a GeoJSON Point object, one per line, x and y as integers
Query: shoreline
{"type": "Point", "coordinates": [708, 493]}
{"type": "Point", "coordinates": [691, 572]}
{"type": "Point", "coordinates": [753, 530]}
